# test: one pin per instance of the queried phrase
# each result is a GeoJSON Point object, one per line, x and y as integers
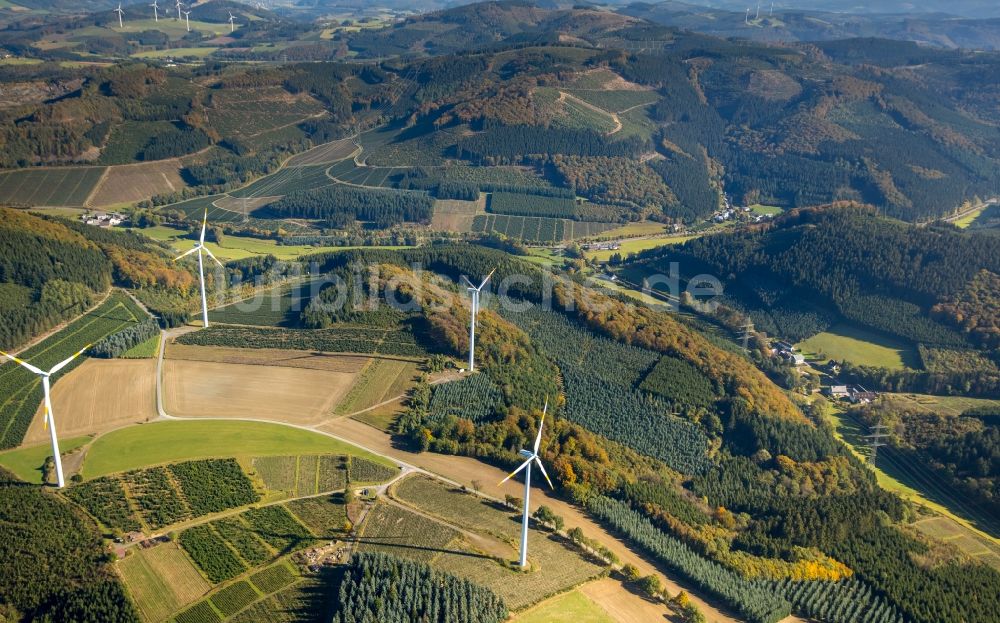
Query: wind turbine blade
{"type": "Point", "coordinates": [22, 363]}
{"type": "Point", "coordinates": [469, 283]}
{"type": "Point", "coordinates": [542, 467]}
{"type": "Point", "coordinates": [204, 223]}
{"type": "Point", "coordinates": [514, 473]}
{"type": "Point", "coordinates": [188, 252]}
{"type": "Point", "coordinates": [487, 279]}
{"type": "Point", "coordinates": [205, 249]}
{"type": "Point", "coordinates": [538, 438]}
{"type": "Point", "coordinates": [59, 366]}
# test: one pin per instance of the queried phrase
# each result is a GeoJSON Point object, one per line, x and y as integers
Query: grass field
{"type": "Point", "coordinates": [950, 531]}
{"type": "Point", "coordinates": [164, 442]}
{"type": "Point", "coordinates": [201, 52]}
{"type": "Point", "coordinates": [637, 228]}
{"type": "Point", "coordinates": [860, 346]}
{"type": "Point", "coordinates": [161, 580]}
{"type": "Point", "coordinates": [63, 186]}
{"type": "Point", "coordinates": [382, 379]}
{"type": "Point", "coordinates": [945, 405]}
{"type": "Point", "coordinates": [571, 607]}
{"type": "Point", "coordinates": [284, 394]}
{"type": "Point", "coordinates": [26, 463]}
{"type": "Point", "coordinates": [146, 350]}
{"type": "Point", "coordinates": [758, 208]}
{"type": "Point", "coordinates": [635, 246]}
{"type": "Point", "coordinates": [382, 417]}
{"type": "Point", "coordinates": [555, 567]}
{"type": "Point", "coordinates": [99, 395]}
{"type": "Point", "coordinates": [968, 219]}
{"type": "Point", "coordinates": [234, 247]}
{"type": "Point", "coordinates": [130, 183]}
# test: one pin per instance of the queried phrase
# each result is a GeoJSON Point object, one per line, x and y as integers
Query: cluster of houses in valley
{"type": "Point", "coordinates": [603, 246]}
{"type": "Point", "coordinates": [102, 219]}
{"type": "Point", "coordinates": [788, 352]}
{"type": "Point", "coordinates": [736, 213]}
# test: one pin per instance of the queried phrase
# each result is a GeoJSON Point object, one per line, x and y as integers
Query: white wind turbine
{"type": "Point", "coordinates": [187, 19]}
{"type": "Point", "coordinates": [232, 25]}
{"type": "Point", "coordinates": [530, 457]}
{"type": "Point", "coordinates": [46, 388]}
{"type": "Point", "coordinates": [120, 13]}
{"type": "Point", "coordinates": [475, 312]}
{"type": "Point", "coordinates": [201, 248]}
{"type": "Point", "coordinates": [179, 5]}
{"type": "Point", "coordinates": [156, 12]}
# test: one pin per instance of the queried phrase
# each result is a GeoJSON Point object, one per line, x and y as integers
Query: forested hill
{"type": "Point", "coordinates": [799, 23]}
{"type": "Point", "coordinates": [641, 120]}
{"type": "Point", "coordinates": [931, 285]}
{"type": "Point", "coordinates": [52, 270]}
{"type": "Point", "coordinates": [910, 129]}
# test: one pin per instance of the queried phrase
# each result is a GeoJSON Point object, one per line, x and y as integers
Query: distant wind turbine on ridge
{"type": "Point", "coordinates": [156, 13]}
{"type": "Point", "coordinates": [475, 312]}
{"type": "Point", "coordinates": [201, 248]}
{"type": "Point", "coordinates": [120, 13]}
{"type": "Point", "coordinates": [232, 25]}
{"type": "Point", "coordinates": [187, 19]}
{"type": "Point", "coordinates": [531, 456]}
{"type": "Point", "coordinates": [48, 422]}
{"type": "Point", "coordinates": [179, 5]}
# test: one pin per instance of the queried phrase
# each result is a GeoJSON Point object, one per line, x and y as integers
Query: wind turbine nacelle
{"type": "Point", "coordinates": [528, 454]}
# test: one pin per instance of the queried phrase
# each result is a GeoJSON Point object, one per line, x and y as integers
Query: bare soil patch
{"type": "Point", "coordinates": [282, 394]}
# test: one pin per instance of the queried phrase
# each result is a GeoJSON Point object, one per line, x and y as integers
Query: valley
{"type": "Point", "coordinates": [338, 281]}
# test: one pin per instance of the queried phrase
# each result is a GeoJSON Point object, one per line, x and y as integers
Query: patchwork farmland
{"type": "Point", "coordinates": [42, 187]}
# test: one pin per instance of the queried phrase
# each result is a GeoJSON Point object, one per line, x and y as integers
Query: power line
{"type": "Point", "coordinates": [745, 332]}
{"type": "Point", "coordinates": [874, 438]}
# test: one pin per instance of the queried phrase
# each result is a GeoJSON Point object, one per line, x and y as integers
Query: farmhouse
{"type": "Point", "coordinates": [102, 219]}
{"type": "Point", "coordinates": [837, 391]}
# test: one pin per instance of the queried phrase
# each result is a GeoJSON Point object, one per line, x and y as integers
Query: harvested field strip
{"type": "Point", "coordinates": [381, 380]}
{"type": "Point", "coordinates": [161, 579]}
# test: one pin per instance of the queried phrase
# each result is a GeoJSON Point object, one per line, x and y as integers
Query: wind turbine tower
{"type": "Point", "coordinates": [474, 291]}
{"type": "Point", "coordinates": [531, 456]}
{"type": "Point", "coordinates": [232, 24]}
{"type": "Point", "coordinates": [48, 421]}
{"type": "Point", "coordinates": [746, 18]}
{"type": "Point", "coordinates": [120, 13]}
{"type": "Point", "coordinates": [179, 5]}
{"type": "Point", "coordinates": [757, 15]}
{"type": "Point", "coordinates": [187, 19]}
{"type": "Point", "coordinates": [771, 12]}
{"type": "Point", "coordinates": [202, 249]}
{"type": "Point", "coordinates": [156, 12]}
